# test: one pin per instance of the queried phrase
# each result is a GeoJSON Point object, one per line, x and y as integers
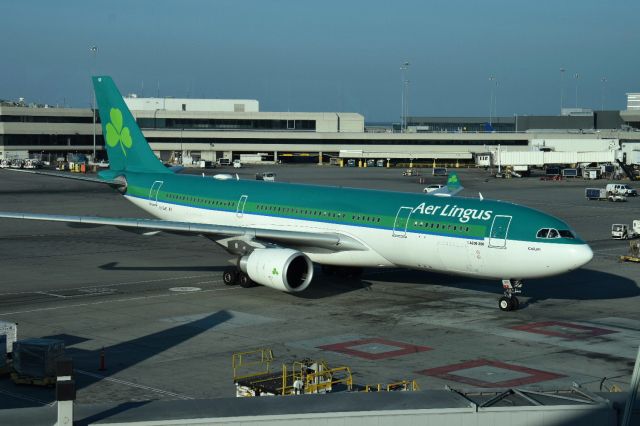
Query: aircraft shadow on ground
{"type": "Point", "coordinates": [113, 266]}
{"type": "Point", "coordinates": [582, 284]}
{"type": "Point", "coordinates": [127, 354]}
{"type": "Point", "coordinates": [120, 356]}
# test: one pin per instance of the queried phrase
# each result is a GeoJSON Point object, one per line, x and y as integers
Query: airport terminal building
{"type": "Point", "coordinates": [187, 130]}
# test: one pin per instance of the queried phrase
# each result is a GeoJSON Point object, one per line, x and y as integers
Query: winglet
{"type": "Point", "coordinates": [452, 188]}
{"type": "Point", "coordinates": [453, 183]}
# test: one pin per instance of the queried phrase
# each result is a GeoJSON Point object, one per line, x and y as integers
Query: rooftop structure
{"type": "Point", "coordinates": [187, 104]}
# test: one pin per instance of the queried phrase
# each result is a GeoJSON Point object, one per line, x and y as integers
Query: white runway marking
{"type": "Point", "coordinates": [127, 299]}
{"type": "Point", "coordinates": [134, 385]}
{"type": "Point", "coordinates": [46, 294]}
{"type": "Point", "coordinates": [185, 289]}
{"type": "Point", "coordinates": [26, 398]}
{"type": "Point", "coordinates": [110, 285]}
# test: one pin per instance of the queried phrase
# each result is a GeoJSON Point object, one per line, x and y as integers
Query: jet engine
{"type": "Point", "coordinates": [283, 269]}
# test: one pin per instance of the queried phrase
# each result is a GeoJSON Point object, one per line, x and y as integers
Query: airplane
{"type": "Point", "coordinates": [276, 231]}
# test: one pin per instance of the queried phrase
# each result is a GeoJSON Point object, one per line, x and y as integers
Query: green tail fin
{"type": "Point", "coordinates": [127, 148]}
{"type": "Point", "coordinates": [453, 183]}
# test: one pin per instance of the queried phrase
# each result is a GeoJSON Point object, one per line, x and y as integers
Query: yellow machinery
{"type": "Point", "coordinates": [634, 252]}
{"type": "Point", "coordinates": [405, 385]}
{"type": "Point", "coordinates": [253, 376]}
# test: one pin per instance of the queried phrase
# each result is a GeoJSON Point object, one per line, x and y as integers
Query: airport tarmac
{"type": "Point", "coordinates": [168, 325]}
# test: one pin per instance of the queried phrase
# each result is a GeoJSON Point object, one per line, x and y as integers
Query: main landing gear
{"type": "Point", "coordinates": [232, 276]}
{"type": "Point", "coordinates": [509, 302]}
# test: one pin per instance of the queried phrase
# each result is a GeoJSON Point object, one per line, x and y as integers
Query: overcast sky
{"type": "Point", "coordinates": [329, 55]}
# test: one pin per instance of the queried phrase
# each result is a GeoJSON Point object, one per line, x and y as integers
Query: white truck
{"type": "Point", "coordinates": [621, 189]}
{"type": "Point", "coordinates": [433, 187]}
{"type": "Point", "coordinates": [622, 231]}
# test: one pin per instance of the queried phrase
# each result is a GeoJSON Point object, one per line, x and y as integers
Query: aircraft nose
{"type": "Point", "coordinates": [581, 255]}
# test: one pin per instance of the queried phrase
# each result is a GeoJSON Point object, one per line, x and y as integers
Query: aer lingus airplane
{"type": "Point", "coordinates": [277, 231]}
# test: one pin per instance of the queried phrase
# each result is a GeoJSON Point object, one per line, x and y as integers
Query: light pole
{"type": "Point", "coordinates": [603, 80]}
{"type": "Point", "coordinates": [404, 68]}
{"type": "Point", "coordinates": [492, 79]}
{"type": "Point", "coordinates": [94, 52]}
{"type": "Point", "coordinates": [577, 77]}
{"type": "Point", "coordinates": [406, 104]}
{"type": "Point", "coordinates": [562, 70]}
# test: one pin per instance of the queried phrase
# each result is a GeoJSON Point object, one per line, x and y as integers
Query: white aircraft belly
{"type": "Point", "coordinates": [518, 259]}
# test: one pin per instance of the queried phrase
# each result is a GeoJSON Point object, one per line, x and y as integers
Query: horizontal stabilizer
{"type": "Point", "coordinates": [112, 182]}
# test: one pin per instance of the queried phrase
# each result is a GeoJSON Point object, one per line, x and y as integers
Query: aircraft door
{"type": "Point", "coordinates": [401, 222]}
{"type": "Point", "coordinates": [499, 231]}
{"type": "Point", "coordinates": [153, 192]}
{"type": "Point", "coordinates": [241, 203]}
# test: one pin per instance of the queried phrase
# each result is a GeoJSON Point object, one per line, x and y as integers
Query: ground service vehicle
{"type": "Point", "coordinates": [602, 194]}
{"type": "Point", "coordinates": [621, 189]}
{"type": "Point", "coordinates": [266, 176]}
{"type": "Point", "coordinates": [622, 231]}
{"type": "Point", "coordinates": [432, 187]}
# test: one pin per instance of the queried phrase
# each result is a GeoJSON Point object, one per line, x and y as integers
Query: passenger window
{"type": "Point", "coordinates": [542, 233]}
{"type": "Point", "coordinates": [553, 234]}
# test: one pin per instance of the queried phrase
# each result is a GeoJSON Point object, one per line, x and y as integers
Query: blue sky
{"type": "Point", "coordinates": [328, 55]}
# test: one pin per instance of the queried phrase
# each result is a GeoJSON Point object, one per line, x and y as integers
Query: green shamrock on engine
{"type": "Point", "coordinates": [116, 134]}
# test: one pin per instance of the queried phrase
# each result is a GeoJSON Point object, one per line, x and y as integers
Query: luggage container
{"type": "Point", "coordinates": [36, 358]}
{"type": "Point", "coordinates": [552, 171]}
{"type": "Point", "coordinates": [440, 171]}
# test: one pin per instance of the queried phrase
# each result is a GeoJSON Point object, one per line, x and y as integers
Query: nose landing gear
{"type": "Point", "coordinates": [509, 302]}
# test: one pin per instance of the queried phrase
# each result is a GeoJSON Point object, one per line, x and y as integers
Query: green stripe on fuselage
{"type": "Point", "coordinates": [452, 216]}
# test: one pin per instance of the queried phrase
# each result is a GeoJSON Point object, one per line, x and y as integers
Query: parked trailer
{"type": "Point", "coordinates": [570, 172]}
{"type": "Point", "coordinates": [591, 173]}
{"type": "Point", "coordinates": [601, 194]}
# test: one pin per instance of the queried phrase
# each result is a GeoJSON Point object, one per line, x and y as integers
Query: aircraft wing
{"type": "Point", "coordinates": [228, 234]}
{"type": "Point", "coordinates": [450, 189]}
{"type": "Point", "coordinates": [112, 182]}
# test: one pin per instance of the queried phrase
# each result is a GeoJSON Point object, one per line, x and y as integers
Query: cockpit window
{"type": "Point", "coordinates": [554, 233]}
{"type": "Point", "coordinates": [542, 233]}
{"type": "Point", "coordinates": [566, 234]}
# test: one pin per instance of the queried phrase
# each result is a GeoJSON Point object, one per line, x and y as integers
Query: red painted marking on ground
{"type": "Point", "coordinates": [446, 373]}
{"type": "Point", "coordinates": [347, 348]}
{"type": "Point", "coordinates": [582, 332]}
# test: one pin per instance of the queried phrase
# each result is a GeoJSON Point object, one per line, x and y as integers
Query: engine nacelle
{"type": "Point", "coordinates": [283, 269]}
